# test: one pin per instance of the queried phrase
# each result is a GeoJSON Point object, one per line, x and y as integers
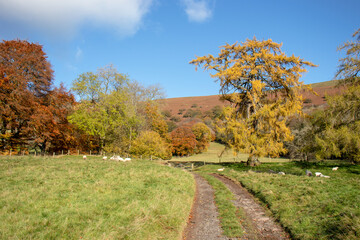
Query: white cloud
{"type": "Point", "coordinates": [67, 16]}
{"type": "Point", "coordinates": [197, 10]}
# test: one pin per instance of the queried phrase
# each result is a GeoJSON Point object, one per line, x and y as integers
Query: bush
{"type": "Point", "coordinates": [166, 113]}
{"type": "Point", "coordinates": [149, 143]}
{"type": "Point", "coordinates": [190, 113]}
{"type": "Point", "coordinates": [203, 137]}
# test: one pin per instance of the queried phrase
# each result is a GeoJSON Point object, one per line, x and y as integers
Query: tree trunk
{"type": "Point", "coordinates": [253, 161]}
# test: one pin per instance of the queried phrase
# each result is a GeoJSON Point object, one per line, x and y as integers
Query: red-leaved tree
{"type": "Point", "coordinates": [31, 111]}
{"type": "Point", "coordinates": [183, 141]}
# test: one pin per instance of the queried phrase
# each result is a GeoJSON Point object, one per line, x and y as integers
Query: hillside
{"type": "Point", "coordinates": [179, 106]}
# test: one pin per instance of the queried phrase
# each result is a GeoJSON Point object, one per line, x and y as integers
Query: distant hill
{"type": "Point", "coordinates": [179, 106]}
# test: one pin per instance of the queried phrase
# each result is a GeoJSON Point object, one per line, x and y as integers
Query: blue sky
{"type": "Point", "coordinates": [153, 40]}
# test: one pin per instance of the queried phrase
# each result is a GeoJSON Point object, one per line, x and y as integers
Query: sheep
{"type": "Point", "coordinates": [84, 157]}
{"type": "Point", "coordinates": [308, 173]}
{"type": "Point", "coordinates": [127, 159]}
{"type": "Point", "coordinates": [104, 158]}
{"type": "Point", "coordinates": [319, 174]}
{"type": "Point", "coordinates": [281, 173]}
{"type": "Point", "coordinates": [220, 169]}
{"type": "Point", "coordinates": [335, 168]}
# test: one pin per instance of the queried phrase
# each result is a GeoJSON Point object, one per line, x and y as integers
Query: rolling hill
{"type": "Point", "coordinates": [179, 106]}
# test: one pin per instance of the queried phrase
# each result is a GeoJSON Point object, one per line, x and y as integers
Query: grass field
{"type": "Point", "coordinates": [72, 198]}
{"type": "Point", "coordinates": [215, 149]}
{"type": "Point", "coordinates": [308, 207]}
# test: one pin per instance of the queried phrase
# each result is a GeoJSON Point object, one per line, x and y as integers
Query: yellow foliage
{"type": "Point", "coordinates": [262, 83]}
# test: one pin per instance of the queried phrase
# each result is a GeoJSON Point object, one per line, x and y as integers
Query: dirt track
{"type": "Point", "coordinates": [204, 224]}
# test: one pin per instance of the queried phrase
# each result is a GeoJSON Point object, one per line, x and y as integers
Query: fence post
{"type": "Point", "coordinates": [10, 151]}
{"type": "Point", "coordinates": [90, 152]}
{"type": "Point", "coordinates": [78, 152]}
{"type": "Point", "coordinates": [53, 154]}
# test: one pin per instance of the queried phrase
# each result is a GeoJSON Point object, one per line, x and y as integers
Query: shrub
{"type": "Point", "coordinates": [166, 113]}
{"type": "Point", "coordinates": [203, 137]}
{"type": "Point", "coordinates": [149, 143]}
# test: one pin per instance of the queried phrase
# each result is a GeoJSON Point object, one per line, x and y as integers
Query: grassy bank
{"type": "Point", "coordinates": [72, 198]}
{"type": "Point", "coordinates": [308, 207]}
{"type": "Point", "coordinates": [214, 152]}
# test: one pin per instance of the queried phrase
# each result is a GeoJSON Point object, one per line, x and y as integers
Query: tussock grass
{"type": "Point", "coordinates": [72, 198]}
{"type": "Point", "coordinates": [230, 216]}
{"type": "Point", "coordinates": [308, 207]}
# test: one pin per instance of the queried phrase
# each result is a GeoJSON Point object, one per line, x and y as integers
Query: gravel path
{"type": "Point", "coordinates": [203, 223]}
{"type": "Point", "coordinates": [259, 225]}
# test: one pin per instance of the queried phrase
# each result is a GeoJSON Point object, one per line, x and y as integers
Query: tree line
{"type": "Point", "coordinates": [114, 114]}
{"type": "Point", "coordinates": [110, 113]}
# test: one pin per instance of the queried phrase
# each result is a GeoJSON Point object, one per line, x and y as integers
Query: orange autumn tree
{"type": "Point", "coordinates": [183, 141]}
{"type": "Point", "coordinates": [262, 84]}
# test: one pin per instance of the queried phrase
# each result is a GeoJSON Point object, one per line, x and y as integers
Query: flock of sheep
{"type": "Point", "coordinates": [113, 158]}
{"type": "Point", "coordinates": [308, 173]}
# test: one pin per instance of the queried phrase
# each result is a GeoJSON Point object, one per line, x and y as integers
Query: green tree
{"type": "Point", "coordinates": [203, 136]}
{"type": "Point", "coordinates": [339, 127]}
{"type": "Point", "coordinates": [262, 84]}
{"type": "Point", "coordinates": [111, 107]}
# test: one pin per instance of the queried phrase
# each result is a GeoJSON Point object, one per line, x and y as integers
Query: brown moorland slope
{"type": "Point", "coordinates": [177, 106]}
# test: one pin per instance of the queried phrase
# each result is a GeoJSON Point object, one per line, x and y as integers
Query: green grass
{"type": "Point", "coordinates": [214, 150]}
{"type": "Point", "coordinates": [308, 207]}
{"type": "Point", "coordinates": [230, 216]}
{"type": "Point", "coordinates": [72, 198]}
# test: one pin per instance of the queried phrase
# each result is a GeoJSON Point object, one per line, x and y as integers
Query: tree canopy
{"type": "Point", "coordinates": [349, 66]}
{"type": "Point", "coordinates": [111, 107]}
{"type": "Point", "coordinates": [262, 84]}
{"type": "Point", "coordinates": [31, 110]}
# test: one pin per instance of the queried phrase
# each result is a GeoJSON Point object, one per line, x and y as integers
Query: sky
{"type": "Point", "coordinates": [153, 41]}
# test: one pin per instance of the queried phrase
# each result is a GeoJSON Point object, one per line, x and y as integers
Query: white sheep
{"type": "Point", "coordinates": [220, 169]}
{"type": "Point", "coordinates": [104, 158]}
{"type": "Point", "coordinates": [335, 168]}
{"type": "Point", "coordinates": [319, 174]}
{"type": "Point", "coordinates": [84, 157]}
{"type": "Point", "coordinates": [127, 159]}
{"type": "Point", "coordinates": [281, 173]}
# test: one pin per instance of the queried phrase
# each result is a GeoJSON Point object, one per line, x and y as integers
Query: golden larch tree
{"type": "Point", "coordinates": [262, 84]}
